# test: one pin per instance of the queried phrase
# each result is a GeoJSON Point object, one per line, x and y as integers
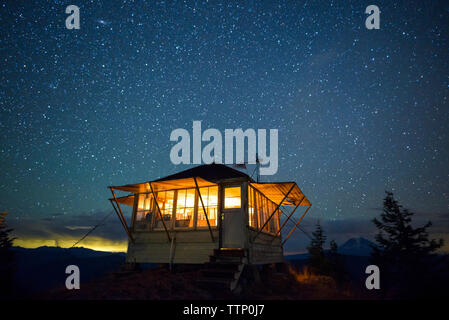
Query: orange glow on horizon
{"type": "Point", "coordinates": [93, 243]}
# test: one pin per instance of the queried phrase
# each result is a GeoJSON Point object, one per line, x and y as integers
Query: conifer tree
{"type": "Point", "coordinates": [403, 252]}
{"type": "Point", "coordinates": [6, 259]}
{"type": "Point", "coordinates": [317, 260]}
{"type": "Point", "coordinates": [337, 264]}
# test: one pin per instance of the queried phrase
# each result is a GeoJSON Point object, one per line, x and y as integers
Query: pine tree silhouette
{"type": "Point", "coordinates": [317, 260]}
{"type": "Point", "coordinates": [334, 247]}
{"type": "Point", "coordinates": [337, 264]}
{"type": "Point", "coordinates": [403, 253]}
{"type": "Point", "coordinates": [6, 260]}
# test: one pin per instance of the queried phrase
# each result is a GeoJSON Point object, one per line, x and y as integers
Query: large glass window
{"type": "Point", "coordinates": [265, 209]}
{"type": "Point", "coordinates": [259, 210]}
{"type": "Point", "coordinates": [210, 200]}
{"type": "Point", "coordinates": [144, 212]}
{"type": "Point", "coordinates": [185, 208]}
{"type": "Point", "coordinates": [271, 208]}
{"type": "Point", "coordinates": [165, 200]}
{"type": "Point", "coordinates": [276, 218]}
{"type": "Point", "coordinates": [140, 213]}
{"type": "Point", "coordinates": [252, 216]}
{"type": "Point", "coordinates": [232, 197]}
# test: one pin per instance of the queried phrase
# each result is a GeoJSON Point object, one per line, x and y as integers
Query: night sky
{"type": "Point", "coordinates": [358, 111]}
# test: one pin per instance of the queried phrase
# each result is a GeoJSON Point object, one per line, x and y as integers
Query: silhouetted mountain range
{"type": "Point", "coordinates": [43, 268]}
{"type": "Point", "coordinates": [359, 247]}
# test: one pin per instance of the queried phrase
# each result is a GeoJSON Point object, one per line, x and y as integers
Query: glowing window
{"type": "Point", "coordinates": [232, 198]}
{"type": "Point", "coordinates": [262, 210]}
{"type": "Point", "coordinates": [271, 208]}
{"type": "Point", "coordinates": [252, 216]}
{"type": "Point", "coordinates": [144, 212]}
{"type": "Point", "coordinates": [265, 213]}
{"type": "Point", "coordinates": [276, 220]}
{"type": "Point", "coordinates": [185, 208]}
{"type": "Point", "coordinates": [259, 207]}
{"type": "Point", "coordinates": [210, 200]}
{"type": "Point", "coordinates": [165, 201]}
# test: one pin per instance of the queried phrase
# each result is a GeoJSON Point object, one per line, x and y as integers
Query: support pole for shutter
{"type": "Point", "coordinates": [297, 223]}
{"type": "Point", "coordinates": [160, 212]}
{"type": "Point", "coordinates": [283, 224]}
{"type": "Point", "coordinates": [204, 209]}
{"type": "Point", "coordinates": [120, 215]}
{"type": "Point", "coordinates": [288, 218]}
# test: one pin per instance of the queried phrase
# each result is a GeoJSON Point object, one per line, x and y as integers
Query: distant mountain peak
{"type": "Point", "coordinates": [356, 247]}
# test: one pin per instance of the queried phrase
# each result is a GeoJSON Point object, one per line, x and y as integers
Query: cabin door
{"type": "Point", "coordinates": [232, 231]}
{"type": "Point", "coordinates": [232, 219]}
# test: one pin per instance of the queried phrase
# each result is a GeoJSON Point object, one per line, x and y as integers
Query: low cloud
{"type": "Point", "coordinates": [79, 227]}
{"type": "Point", "coordinates": [65, 230]}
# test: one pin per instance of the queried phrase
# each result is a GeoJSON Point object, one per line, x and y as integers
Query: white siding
{"type": "Point", "coordinates": [194, 246]}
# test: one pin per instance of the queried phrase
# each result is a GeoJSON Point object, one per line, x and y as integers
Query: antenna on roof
{"type": "Point", "coordinates": [257, 169]}
{"type": "Point", "coordinates": [258, 166]}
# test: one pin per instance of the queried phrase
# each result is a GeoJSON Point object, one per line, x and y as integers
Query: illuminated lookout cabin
{"type": "Point", "coordinates": [196, 214]}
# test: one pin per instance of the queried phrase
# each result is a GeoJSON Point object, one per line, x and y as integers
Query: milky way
{"type": "Point", "coordinates": [358, 111]}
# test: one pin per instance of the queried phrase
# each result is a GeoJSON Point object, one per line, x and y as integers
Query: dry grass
{"type": "Point", "coordinates": [161, 284]}
{"type": "Point", "coordinates": [299, 285]}
{"type": "Point", "coordinates": [306, 276]}
{"type": "Point", "coordinates": [153, 284]}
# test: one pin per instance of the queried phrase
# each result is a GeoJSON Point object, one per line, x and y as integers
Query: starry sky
{"type": "Point", "coordinates": [358, 111]}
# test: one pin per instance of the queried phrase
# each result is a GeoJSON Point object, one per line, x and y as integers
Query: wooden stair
{"type": "Point", "coordinates": [223, 270]}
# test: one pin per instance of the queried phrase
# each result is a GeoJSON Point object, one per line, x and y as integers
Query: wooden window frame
{"type": "Point", "coordinates": [224, 197]}
{"type": "Point", "coordinates": [195, 211]}
{"type": "Point", "coordinates": [136, 208]}
{"type": "Point", "coordinates": [169, 227]}
{"type": "Point", "coordinates": [251, 193]}
{"type": "Point", "coordinates": [199, 210]}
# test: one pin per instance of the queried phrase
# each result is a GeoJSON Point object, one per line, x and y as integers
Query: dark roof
{"type": "Point", "coordinates": [210, 172]}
